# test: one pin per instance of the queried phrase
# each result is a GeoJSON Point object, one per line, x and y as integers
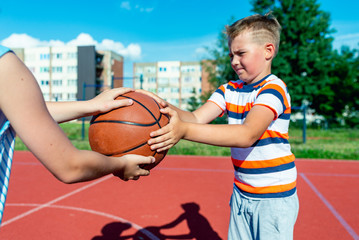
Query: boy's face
{"type": "Point", "coordinates": [248, 59]}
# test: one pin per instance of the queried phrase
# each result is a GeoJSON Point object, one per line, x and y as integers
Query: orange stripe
{"type": "Point", "coordinates": [274, 134]}
{"type": "Point", "coordinates": [279, 89]}
{"type": "Point", "coordinates": [262, 190]}
{"type": "Point", "coordinates": [222, 88]}
{"type": "Point", "coordinates": [263, 163]}
{"type": "Point", "coordinates": [288, 110]}
{"type": "Point", "coordinates": [238, 108]}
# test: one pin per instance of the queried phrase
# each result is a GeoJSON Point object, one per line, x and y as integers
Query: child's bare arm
{"type": "Point", "coordinates": [235, 135]}
{"type": "Point", "coordinates": [22, 103]}
{"type": "Point", "coordinates": [66, 111]}
{"type": "Point", "coordinates": [204, 114]}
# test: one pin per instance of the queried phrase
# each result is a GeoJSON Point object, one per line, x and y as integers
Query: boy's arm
{"type": "Point", "coordinates": [66, 111]}
{"type": "Point", "coordinates": [204, 114]}
{"type": "Point", "coordinates": [234, 135]}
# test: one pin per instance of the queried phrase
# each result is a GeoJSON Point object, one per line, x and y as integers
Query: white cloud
{"type": "Point", "coordinates": [127, 6]}
{"type": "Point", "coordinates": [83, 39]}
{"type": "Point", "coordinates": [22, 40]}
{"type": "Point", "coordinates": [132, 51]}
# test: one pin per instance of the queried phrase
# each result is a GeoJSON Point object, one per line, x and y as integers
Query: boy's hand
{"type": "Point", "coordinates": [160, 101]}
{"type": "Point", "coordinates": [168, 136]}
{"type": "Point", "coordinates": [131, 167]}
{"type": "Point", "coordinates": [105, 101]}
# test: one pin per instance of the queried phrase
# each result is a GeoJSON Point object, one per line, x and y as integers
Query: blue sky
{"type": "Point", "coordinates": [143, 30]}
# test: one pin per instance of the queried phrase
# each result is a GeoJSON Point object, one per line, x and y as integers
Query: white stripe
{"type": "Point", "coordinates": [7, 138]}
{"type": "Point", "coordinates": [267, 152]}
{"type": "Point", "coordinates": [267, 179]}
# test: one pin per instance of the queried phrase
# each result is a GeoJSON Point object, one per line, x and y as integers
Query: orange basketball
{"type": "Point", "coordinates": [126, 130]}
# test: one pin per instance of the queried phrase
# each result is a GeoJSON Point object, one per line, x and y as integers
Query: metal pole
{"type": "Point", "coordinates": [141, 81]}
{"type": "Point", "coordinates": [304, 108]}
{"type": "Point", "coordinates": [83, 119]}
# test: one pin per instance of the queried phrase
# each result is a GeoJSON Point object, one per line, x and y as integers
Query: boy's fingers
{"type": "Point", "coordinates": [147, 160]}
{"type": "Point", "coordinates": [159, 132]}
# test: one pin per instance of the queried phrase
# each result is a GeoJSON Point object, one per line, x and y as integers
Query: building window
{"type": "Point", "coordinates": [44, 82]}
{"type": "Point", "coordinates": [72, 69]}
{"type": "Point", "coordinates": [57, 69]}
{"type": "Point", "coordinates": [57, 96]}
{"type": "Point", "coordinates": [174, 90]}
{"type": "Point", "coordinates": [72, 55]}
{"type": "Point", "coordinates": [57, 56]}
{"type": "Point", "coordinates": [72, 82]}
{"type": "Point", "coordinates": [163, 81]}
{"type": "Point", "coordinates": [44, 56]}
{"type": "Point", "coordinates": [71, 96]}
{"type": "Point", "coordinates": [57, 82]}
{"type": "Point", "coordinates": [44, 69]}
{"type": "Point", "coordinates": [151, 80]}
{"type": "Point", "coordinates": [187, 79]}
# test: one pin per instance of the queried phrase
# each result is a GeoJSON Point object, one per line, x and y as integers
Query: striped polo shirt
{"type": "Point", "coordinates": [7, 137]}
{"type": "Point", "coordinates": [266, 169]}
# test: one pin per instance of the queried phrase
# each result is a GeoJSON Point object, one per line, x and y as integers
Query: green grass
{"type": "Point", "coordinates": [322, 144]}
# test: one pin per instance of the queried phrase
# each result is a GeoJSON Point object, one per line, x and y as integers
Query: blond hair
{"type": "Point", "coordinates": [263, 28]}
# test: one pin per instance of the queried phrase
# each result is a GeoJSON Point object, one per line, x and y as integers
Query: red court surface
{"type": "Point", "coordinates": [185, 197]}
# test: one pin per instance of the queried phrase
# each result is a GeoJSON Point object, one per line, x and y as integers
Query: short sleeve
{"type": "Point", "coordinates": [274, 95]}
{"type": "Point", "coordinates": [218, 98]}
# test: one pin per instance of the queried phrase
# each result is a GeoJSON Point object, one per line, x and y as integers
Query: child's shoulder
{"type": "Point", "coordinates": [273, 79]}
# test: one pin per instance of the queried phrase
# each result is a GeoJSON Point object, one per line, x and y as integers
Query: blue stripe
{"type": "Point", "coordinates": [219, 91]}
{"type": "Point", "coordinates": [275, 93]}
{"type": "Point", "coordinates": [284, 116]}
{"type": "Point", "coordinates": [236, 115]}
{"type": "Point", "coordinates": [279, 168]}
{"type": "Point", "coordinates": [267, 141]}
{"type": "Point", "coordinates": [248, 88]}
{"type": "Point", "coordinates": [269, 195]}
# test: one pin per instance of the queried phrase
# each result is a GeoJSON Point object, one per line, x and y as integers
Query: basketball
{"type": "Point", "coordinates": [126, 130]}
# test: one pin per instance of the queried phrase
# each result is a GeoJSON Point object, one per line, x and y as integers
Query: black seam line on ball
{"type": "Point", "coordinates": [125, 122]}
{"type": "Point", "coordinates": [128, 150]}
{"type": "Point", "coordinates": [157, 120]}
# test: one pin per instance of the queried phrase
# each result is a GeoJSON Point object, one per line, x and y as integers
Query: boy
{"type": "Point", "coordinates": [24, 112]}
{"type": "Point", "coordinates": [264, 203]}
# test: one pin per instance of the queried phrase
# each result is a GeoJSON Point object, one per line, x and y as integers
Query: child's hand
{"type": "Point", "coordinates": [169, 135]}
{"type": "Point", "coordinates": [160, 101]}
{"type": "Point", "coordinates": [130, 169]}
{"type": "Point", "coordinates": [105, 101]}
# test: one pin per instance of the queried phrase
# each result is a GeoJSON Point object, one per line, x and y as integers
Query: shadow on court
{"type": "Point", "coordinates": [198, 228]}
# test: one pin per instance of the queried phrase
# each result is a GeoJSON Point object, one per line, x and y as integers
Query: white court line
{"type": "Point", "coordinates": [54, 201]}
{"type": "Point", "coordinates": [135, 226]}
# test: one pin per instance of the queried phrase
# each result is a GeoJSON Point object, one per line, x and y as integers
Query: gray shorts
{"type": "Point", "coordinates": [260, 219]}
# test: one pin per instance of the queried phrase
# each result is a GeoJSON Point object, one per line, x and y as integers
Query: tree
{"type": "Point", "coordinates": [339, 99]}
{"type": "Point", "coordinates": [193, 102]}
{"type": "Point", "coordinates": [303, 61]}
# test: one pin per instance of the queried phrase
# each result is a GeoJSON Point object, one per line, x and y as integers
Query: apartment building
{"type": "Point", "coordinates": [174, 81]}
{"type": "Point", "coordinates": [70, 73]}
